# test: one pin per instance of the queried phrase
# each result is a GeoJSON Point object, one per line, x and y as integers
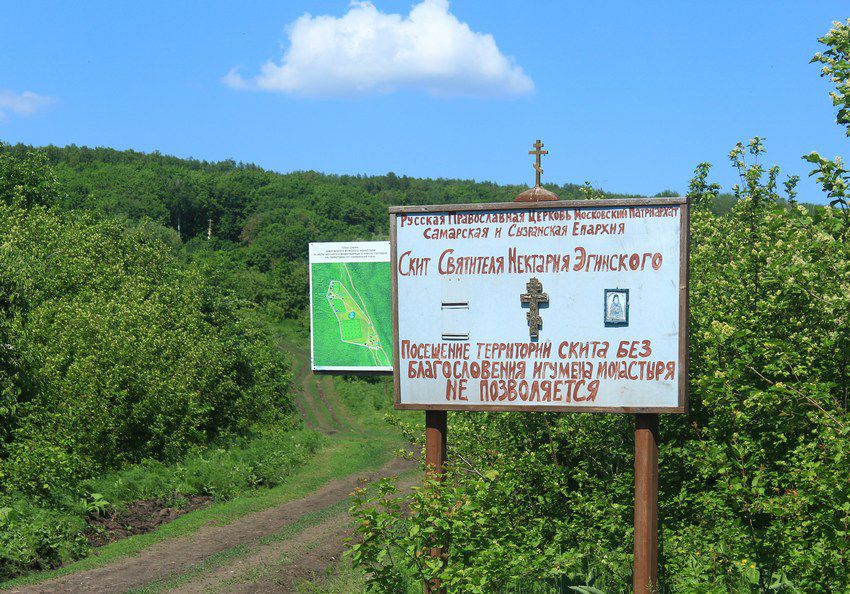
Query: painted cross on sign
{"type": "Point", "coordinates": [534, 297]}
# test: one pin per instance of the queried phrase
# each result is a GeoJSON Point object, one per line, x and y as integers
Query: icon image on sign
{"type": "Point", "coordinates": [616, 307]}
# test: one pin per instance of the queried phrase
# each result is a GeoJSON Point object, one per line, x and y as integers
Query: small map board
{"type": "Point", "coordinates": [350, 306]}
{"type": "Point", "coordinates": [557, 305]}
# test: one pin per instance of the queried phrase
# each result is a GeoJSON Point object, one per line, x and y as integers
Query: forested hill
{"type": "Point", "coordinates": [243, 200]}
{"type": "Point", "coordinates": [260, 221]}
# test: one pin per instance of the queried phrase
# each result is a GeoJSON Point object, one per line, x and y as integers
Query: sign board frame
{"type": "Point", "coordinates": [682, 406]}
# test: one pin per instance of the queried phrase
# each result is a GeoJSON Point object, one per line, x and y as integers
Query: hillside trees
{"type": "Point", "coordinates": [111, 350]}
{"type": "Point", "coordinates": [261, 221]}
{"type": "Point", "coordinates": [26, 180]}
{"type": "Point", "coordinates": [836, 66]}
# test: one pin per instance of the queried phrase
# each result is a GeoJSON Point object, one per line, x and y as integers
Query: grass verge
{"type": "Point", "coordinates": [340, 457]}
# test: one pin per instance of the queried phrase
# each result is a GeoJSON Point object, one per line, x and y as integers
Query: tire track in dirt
{"type": "Point", "coordinates": [305, 399]}
{"type": "Point", "coordinates": [168, 559]}
{"type": "Point", "coordinates": [329, 406]}
{"type": "Point", "coordinates": [278, 566]}
{"type": "Point", "coordinates": [299, 375]}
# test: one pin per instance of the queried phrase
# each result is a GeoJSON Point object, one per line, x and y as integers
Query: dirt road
{"type": "Point", "coordinates": [266, 551]}
{"type": "Point", "coordinates": [259, 561]}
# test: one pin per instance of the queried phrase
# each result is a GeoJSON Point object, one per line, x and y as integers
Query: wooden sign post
{"type": "Point", "coordinates": [646, 504]}
{"type": "Point", "coordinates": [436, 425]}
{"type": "Point", "coordinates": [545, 305]}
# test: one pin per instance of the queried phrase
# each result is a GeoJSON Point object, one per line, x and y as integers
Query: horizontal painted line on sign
{"type": "Point", "coordinates": [456, 305]}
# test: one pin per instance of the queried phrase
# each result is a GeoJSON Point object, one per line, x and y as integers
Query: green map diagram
{"type": "Point", "coordinates": [352, 314]}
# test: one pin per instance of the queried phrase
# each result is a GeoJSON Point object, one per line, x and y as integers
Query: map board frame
{"type": "Point", "coordinates": [348, 254]}
{"type": "Point", "coordinates": [682, 406]}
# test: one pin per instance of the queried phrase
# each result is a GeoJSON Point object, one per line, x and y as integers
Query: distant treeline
{"type": "Point", "coordinates": [260, 221]}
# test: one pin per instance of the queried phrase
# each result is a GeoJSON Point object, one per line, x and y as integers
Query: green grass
{"type": "Point", "coordinates": [224, 557]}
{"type": "Point", "coordinates": [267, 569]}
{"type": "Point", "coordinates": [210, 564]}
{"type": "Point", "coordinates": [303, 523]}
{"type": "Point", "coordinates": [313, 417]}
{"type": "Point", "coordinates": [341, 578]}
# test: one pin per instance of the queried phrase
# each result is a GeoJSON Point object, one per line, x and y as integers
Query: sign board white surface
{"type": "Point", "coordinates": [567, 305]}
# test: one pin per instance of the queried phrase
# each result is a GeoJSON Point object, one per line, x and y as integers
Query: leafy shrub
{"type": "Point", "coordinates": [225, 471]}
{"type": "Point", "coordinates": [754, 483]}
{"type": "Point", "coordinates": [33, 538]}
{"type": "Point", "coordinates": [121, 354]}
{"type": "Point", "coordinates": [365, 395]}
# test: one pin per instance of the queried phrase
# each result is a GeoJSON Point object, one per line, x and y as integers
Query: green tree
{"type": "Point", "coordinates": [832, 175]}
{"type": "Point", "coordinates": [26, 180]}
{"type": "Point", "coordinates": [120, 352]}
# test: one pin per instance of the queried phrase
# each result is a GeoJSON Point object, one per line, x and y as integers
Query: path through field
{"type": "Point", "coordinates": [265, 551]}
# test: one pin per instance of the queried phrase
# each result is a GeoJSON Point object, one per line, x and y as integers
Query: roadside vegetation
{"type": "Point", "coordinates": [265, 469]}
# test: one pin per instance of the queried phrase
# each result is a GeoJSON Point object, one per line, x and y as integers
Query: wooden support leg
{"type": "Point", "coordinates": [435, 441]}
{"type": "Point", "coordinates": [646, 504]}
{"type": "Point", "coordinates": [435, 458]}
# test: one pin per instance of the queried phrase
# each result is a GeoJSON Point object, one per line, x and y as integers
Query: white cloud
{"type": "Point", "coordinates": [22, 104]}
{"type": "Point", "coordinates": [368, 51]}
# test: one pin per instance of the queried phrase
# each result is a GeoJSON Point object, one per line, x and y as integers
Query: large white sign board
{"type": "Point", "coordinates": [567, 305]}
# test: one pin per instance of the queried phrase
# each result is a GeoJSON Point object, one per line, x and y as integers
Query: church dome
{"type": "Point", "coordinates": [536, 194]}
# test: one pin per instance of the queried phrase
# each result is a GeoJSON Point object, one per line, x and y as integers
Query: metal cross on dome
{"type": "Point", "coordinates": [538, 152]}
{"type": "Point", "coordinates": [534, 297]}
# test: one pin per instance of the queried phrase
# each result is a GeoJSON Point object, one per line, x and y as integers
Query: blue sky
{"type": "Point", "coordinates": [628, 95]}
